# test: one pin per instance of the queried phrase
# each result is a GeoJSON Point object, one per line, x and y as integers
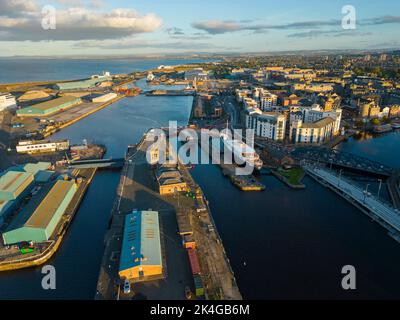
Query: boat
{"type": "Point", "coordinates": [150, 77]}
{"type": "Point", "coordinates": [188, 293]}
{"type": "Point", "coordinates": [242, 152]}
{"type": "Point", "coordinates": [383, 128]}
{"type": "Point", "coordinates": [396, 125]}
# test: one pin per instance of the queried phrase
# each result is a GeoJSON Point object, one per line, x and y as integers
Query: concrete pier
{"type": "Point", "coordinates": [138, 189]}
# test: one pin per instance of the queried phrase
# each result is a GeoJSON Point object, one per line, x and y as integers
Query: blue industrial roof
{"type": "Point", "coordinates": [141, 242]}
{"type": "Point", "coordinates": [39, 170]}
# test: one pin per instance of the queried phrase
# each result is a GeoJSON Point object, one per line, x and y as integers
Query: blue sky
{"type": "Point", "coordinates": [181, 26]}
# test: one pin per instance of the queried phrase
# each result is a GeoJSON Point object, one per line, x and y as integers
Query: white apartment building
{"type": "Point", "coordinates": [7, 101]}
{"type": "Point", "coordinates": [316, 132]}
{"type": "Point", "coordinates": [315, 113]}
{"type": "Point", "coordinates": [266, 99]}
{"type": "Point", "coordinates": [242, 94]}
{"type": "Point", "coordinates": [269, 125]}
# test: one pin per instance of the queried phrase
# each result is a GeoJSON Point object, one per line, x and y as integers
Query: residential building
{"type": "Point", "coordinates": [7, 101]}
{"type": "Point", "coordinates": [317, 132]}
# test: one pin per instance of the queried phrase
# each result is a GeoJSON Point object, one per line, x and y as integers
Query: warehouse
{"type": "Point", "coordinates": [83, 84]}
{"type": "Point", "coordinates": [39, 170]}
{"type": "Point", "coordinates": [141, 257]}
{"type": "Point", "coordinates": [170, 180]}
{"type": "Point", "coordinates": [5, 209]}
{"type": "Point", "coordinates": [13, 184]}
{"type": "Point", "coordinates": [105, 97]}
{"type": "Point", "coordinates": [39, 218]}
{"type": "Point", "coordinates": [49, 107]}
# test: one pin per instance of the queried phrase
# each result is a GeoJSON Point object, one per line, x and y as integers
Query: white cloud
{"type": "Point", "coordinates": [73, 23]}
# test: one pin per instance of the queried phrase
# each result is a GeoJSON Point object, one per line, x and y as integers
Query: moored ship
{"type": "Point", "coordinates": [242, 152]}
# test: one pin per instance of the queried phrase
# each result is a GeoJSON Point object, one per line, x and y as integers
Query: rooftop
{"type": "Point", "coordinates": [141, 243]}
{"type": "Point", "coordinates": [54, 103]}
{"type": "Point", "coordinates": [11, 180]}
{"type": "Point", "coordinates": [319, 124]}
{"type": "Point", "coordinates": [42, 207]}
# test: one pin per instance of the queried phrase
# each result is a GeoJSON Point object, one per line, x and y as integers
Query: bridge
{"type": "Point", "coordinates": [381, 212]}
{"type": "Point", "coordinates": [97, 163]}
{"type": "Point", "coordinates": [340, 159]}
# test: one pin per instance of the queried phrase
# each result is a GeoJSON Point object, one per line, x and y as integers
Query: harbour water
{"type": "Point", "coordinates": [35, 69]}
{"type": "Point", "coordinates": [281, 243]}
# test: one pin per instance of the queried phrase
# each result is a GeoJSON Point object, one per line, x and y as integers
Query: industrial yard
{"type": "Point", "coordinates": [193, 254]}
{"type": "Point", "coordinates": [33, 231]}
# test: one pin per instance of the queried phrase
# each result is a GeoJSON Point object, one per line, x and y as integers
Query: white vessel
{"type": "Point", "coordinates": [396, 125]}
{"type": "Point", "coordinates": [242, 151]}
{"type": "Point", "coordinates": [7, 101]}
{"type": "Point", "coordinates": [150, 77]}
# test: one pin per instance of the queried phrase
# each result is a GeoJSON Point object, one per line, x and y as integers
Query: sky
{"type": "Point", "coordinates": [129, 27]}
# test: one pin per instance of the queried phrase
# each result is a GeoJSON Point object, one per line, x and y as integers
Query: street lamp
{"type": "Point", "coordinates": [380, 187]}
{"type": "Point", "coordinates": [340, 176]}
{"type": "Point", "coordinates": [366, 192]}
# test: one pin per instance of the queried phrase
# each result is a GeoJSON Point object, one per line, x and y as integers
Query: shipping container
{"type": "Point", "coordinates": [198, 283]}
{"type": "Point", "coordinates": [194, 261]}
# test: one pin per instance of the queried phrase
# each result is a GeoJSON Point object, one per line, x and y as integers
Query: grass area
{"type": "Point", "coordinates": [294, 175]}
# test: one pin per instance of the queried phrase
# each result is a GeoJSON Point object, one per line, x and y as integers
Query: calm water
{"type": "Point", "coordinates": [20, 70]}
{"type": "Point", "coordinates": [294, 243]}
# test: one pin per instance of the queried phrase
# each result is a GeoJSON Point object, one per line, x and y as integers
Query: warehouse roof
{"type": "Point", "coordinates": [39, 170]}
{"type": "Point", "coordinates": [11, 180]}
{"type": "Point", "coordinates": [53, 103]}
{"type": "Point", "coordinates": [141, 243]}
{"type": "Point", "coordinates": [42, 207]}
{"type": "Point", "coordinates": [87, 83]}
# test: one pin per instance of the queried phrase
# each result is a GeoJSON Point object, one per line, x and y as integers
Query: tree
{"type": "Point", "coordinates": [375, 122]}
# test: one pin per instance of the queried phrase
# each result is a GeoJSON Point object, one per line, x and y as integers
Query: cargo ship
{"type": "Point", "coordinates": [242, 152]}
{"type": "Point", "coordinates": [131, 92]}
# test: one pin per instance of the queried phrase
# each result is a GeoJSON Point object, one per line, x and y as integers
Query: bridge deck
{"type": "Point", "coordinates": [97, 163]}
{"type": "Point", "coordinates": [382, 210]}
{"type": "Point", "coordinates": [342, 159]}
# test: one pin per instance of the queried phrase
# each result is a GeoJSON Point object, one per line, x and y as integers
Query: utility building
{"type": "Point", "coordinates": [49, 107]}
{"type": "Point", "coordinates": [141, 257]}
{"type": "Point", "coordinates": [13, 184]}
{"type": "Point", "coordinates": [40, 217]}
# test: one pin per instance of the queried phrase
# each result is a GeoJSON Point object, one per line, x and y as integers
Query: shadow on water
{"type": "Point", "coordinates": [287, 244]}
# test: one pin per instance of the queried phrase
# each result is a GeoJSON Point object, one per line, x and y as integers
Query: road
{"type": "Point", "coordinates": [383, 211]}
{"type": "Point", "coordinates": [229, 106]}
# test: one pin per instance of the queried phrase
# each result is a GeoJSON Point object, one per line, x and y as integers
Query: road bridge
{"type": "Point", "coordinates": [345, 160]}
{"type": "Point", "coordinates": [379, 211]}
{"type": "Point", "coordinates": [97, 163]}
